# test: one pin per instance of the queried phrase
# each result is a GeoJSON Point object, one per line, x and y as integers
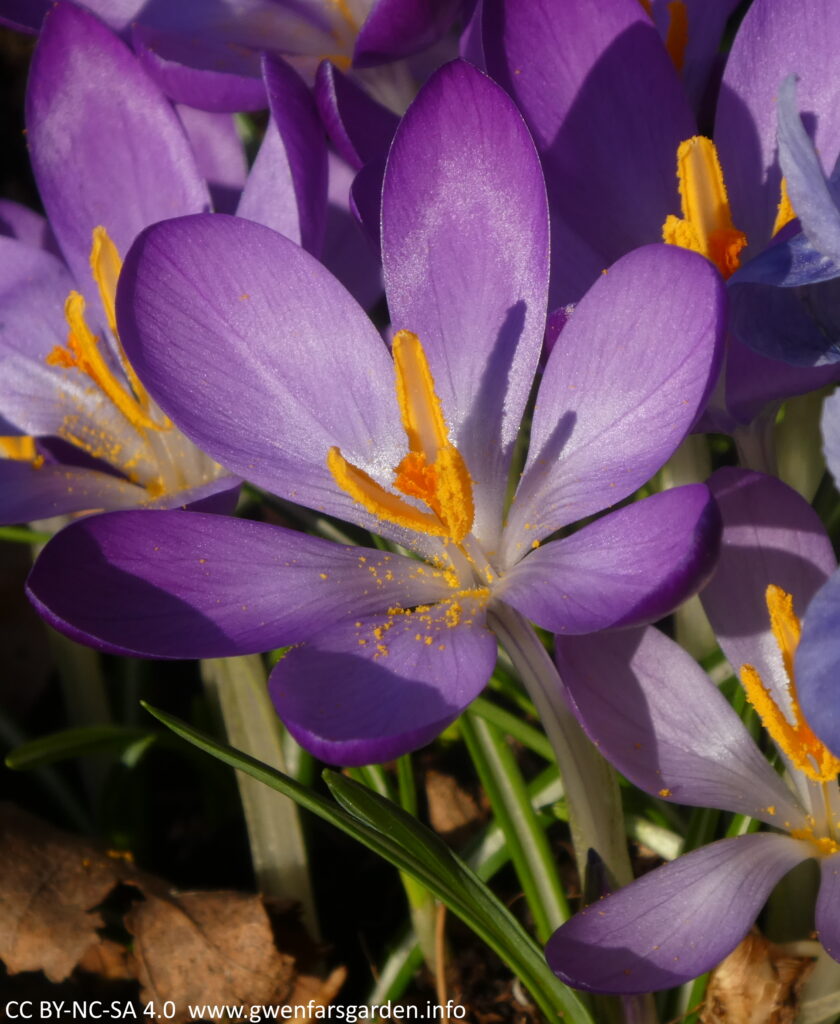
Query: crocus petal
{"type": "Point", "coordinates": [171, 62]}
{"type": "Point", "coordinates": [25, 225]}
{"type": "Point", "coordinates": [28, 494]}
{"type": "Point", "coordinates": [656, 715]}
{"type": "Point", "coordinates": [774, 41]}
{"type": "Point", "coordinates": [831, 435]}
{"type": "Point", "coordinates": [195, 585]}
{"type": "Point", "coordinates": [106, 147]}
{"type": "Point", "coordinates": [817, 663]}
{"type": "Point", "coordinates": [23, 15]}
{"type": "Point", "coordinates": [607, 134]}
{"type": "Point", "coordinates": [626, 379]}
{"type": "Point", "coordinates": [828, 906]}
{"type": "Point", "coordinates": [287, 366]}
{"type": "Point", "coordinates": [219, 155]}
{"type": "Point", "coordinates": [676, 922]}
{"type": "Point", "coordinates": [360, 128]}
{"type": "Point", "coordinates": [372, 689]}
{"type": "Point", "coordinates": [400, 28]}
{"type": "Point", "coordinates": [634, 565]}
{"type": "Point", "coordinates": [770, 536]}
{"type": "Point", "coordinates": [790, 263]}
{"type": "Point", "coordinates": [269, 195]}
{"type": "Point", "coordinates": [807, 186]}
{"type": "Point", "coordinates": [465, 255]}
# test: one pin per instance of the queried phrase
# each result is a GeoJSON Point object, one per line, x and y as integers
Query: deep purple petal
{"type": "Point", "coordinates": [655, 714]}
{"type": "Point", "coordinates": [360, 128]}
{"type": "Point", "coordinates": [627, 377]}
{"type": "Point", "coordinates": [465, 253]}
{"type": "Point", "coordinates": [372, 689]}
{"type": "Point", "coordinates": [676, 922]}
{"type": "Point", "coordinates": [828, 906]}
{"type": "Point", "coordinates": [219, 155]}
{"type": "Point", "coordinates": [26, 225]}
{"type": "Point", "coordinates": [818, 664]}
{"type": "Point", "coordinates": [27, 493]}
{"type": "Point", "coordinates": [24, 15]}
{"type": "Point", "coordinates": [773, 41]}
{"type": "Point", "coordinates": [400, 28]}
{"type": "Point", "coordinates": [607, 111]}
{"type": "Point", "coordinates": [634, 565]}
{"type": "Point", "coordinates": [260, 356]}
{"type": "Point", "coordinates": [194, 585]}
{"type": "Point", "coordinates": [770, 536]}
{"type": "Point", "coordinates": [170, 61]}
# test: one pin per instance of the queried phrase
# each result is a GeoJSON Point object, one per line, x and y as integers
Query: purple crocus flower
{"type": "Point", "coordinates": [110, 156]}
{"type": "Point", "coordinates": [207, 55]}
{"type": "Point", "coordinates": [665, 725]}
{"type": "Point", "coordinates": [606, 132]}
{"type": "Point", "coordinates": [264, 359]}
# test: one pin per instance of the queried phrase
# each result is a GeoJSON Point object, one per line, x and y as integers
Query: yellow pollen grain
{"type": "Point", "coordinates": [825, 846]}
{"type": "Point", "coordinates": [665, 792]}
{"type": "Point", "coordinates": [796, 739]}
{"type": "Point", "coordinates": [706, 224]}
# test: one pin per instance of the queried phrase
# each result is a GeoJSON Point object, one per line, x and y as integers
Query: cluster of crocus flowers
{"type": "Point", "coordinates": [464, 244]}
{"type": "Point", "coordinates": [668, 728]}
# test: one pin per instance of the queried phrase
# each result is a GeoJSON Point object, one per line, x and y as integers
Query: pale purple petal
{"type": "Point", "coordinates": [360, 128]}
{"type": "Point", "coordinates": [261, 357]}
{"type": "Point", "coordinates": [634, 565]}
{"type": "Point", "coordinates": [106, 147]}
{"type": "Point", "coordinates": [828, 906]}
{"type": "Point", "coordinates": [27, 493]}
{"type": "Point", "coordinates": [369, 690]}
{"type": "Point", "coordinates": [465, 253]}
{"type": "Point", "coordinates": [676, 922]}
{"type": "Point", "coordinates": [269, 195]}
{"type": "Point", "coordinates": [626, 379]}
{"type": "Point", "coordinates": [771, 535]}
{"type": "Point", "coordinates": [194, 585]}
{"type": "Point", "coordinates": [171, 62]}
{"type": "Point", "coordinates": [400, 28]}
{"type": "Point", "coordinates": [831, 435]}
{"type": "Point", "coordinates": [26, 225]}
{"type": "Point", "coordinates": [655, 714]}
{"type": "Point", "coordinates": [607, 130]}
{"type": "Point", "coordinates": [773, 41]}
{"type": "Point", "coordinates": [219, 154]}
{"type": "Point", "coordinates": [818, 664]}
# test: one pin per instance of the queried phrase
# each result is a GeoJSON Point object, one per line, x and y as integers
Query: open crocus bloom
{"type": "Point", "coordinates": [110, 157]}
{"type": "Point", "coordinates": [665, 725]}
{"type": "Point", "coordinates": [728, 189]}
{"type": "Point", "coordinates": [264, 359]}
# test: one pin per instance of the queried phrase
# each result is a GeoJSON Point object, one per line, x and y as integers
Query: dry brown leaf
{"type": "Point", "coordinates": [758, 983]}
{"type": "Point", "coordinates": [452, 811]}
{"type": "Point", "coordinates": [50, 883]}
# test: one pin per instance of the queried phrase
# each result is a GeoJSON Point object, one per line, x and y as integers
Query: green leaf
{"type": "Point", "coordinates": [400, 839]}
{"type": "Point", "coordinates": [77, 742]}
{"type": "Point", "coordinates": [23, 535]}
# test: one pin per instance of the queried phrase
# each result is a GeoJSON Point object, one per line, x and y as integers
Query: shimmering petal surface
{"type": "Point", "coordinates": [27, 493]}
{"type": "Point", "coordinates": [828, 906]}
{"type": "Point", "coordinates": [465, 253]}
{"type": "Point", "coordinates": [818, 664]}
{"type": "Point", "coordinates": [634, 565]}
{"type": "Point", "coordinates": [607, 133]}
{"type": "Point", "coordinates": [626, 379]}
{"type": "Point", "coordinates": [372, 689]}
{"type": "Point", "coordinates": [770, 536]}
{"type": "Point", "coordinates": [663, 723]}
{"type": "Point", "coordinates": [276, 326]}
{"type": "Point", "coordinates": [106, 147]}
{"type": "Point", "coordinates": [675, 922]}
{"type": "Point", "coordinates": [192, 585]}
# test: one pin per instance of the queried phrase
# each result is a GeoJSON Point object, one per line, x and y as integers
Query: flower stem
{"type": "Point", "coordinates": [595, 814]}
{"type": "Point", "coordinates": [274, 832]}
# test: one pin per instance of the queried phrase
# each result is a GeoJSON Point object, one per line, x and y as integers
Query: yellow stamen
{"type": "Point", "coordinates": [21, 449]}
{"type": "Point", "coordinates": [433, 470]}
{"type": "Point", "coordinates": [804, 750]}
{"type": "Point", "coordinates": [706, 224]}
{"type": "Point", "coordinates": [82, 352]}
{"type": "Point", "coordinates": [785, 212]}
{"type": "Point", "coordinates": [676, 38]}
{"type": "Point", "coordinates": [825, 845]}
